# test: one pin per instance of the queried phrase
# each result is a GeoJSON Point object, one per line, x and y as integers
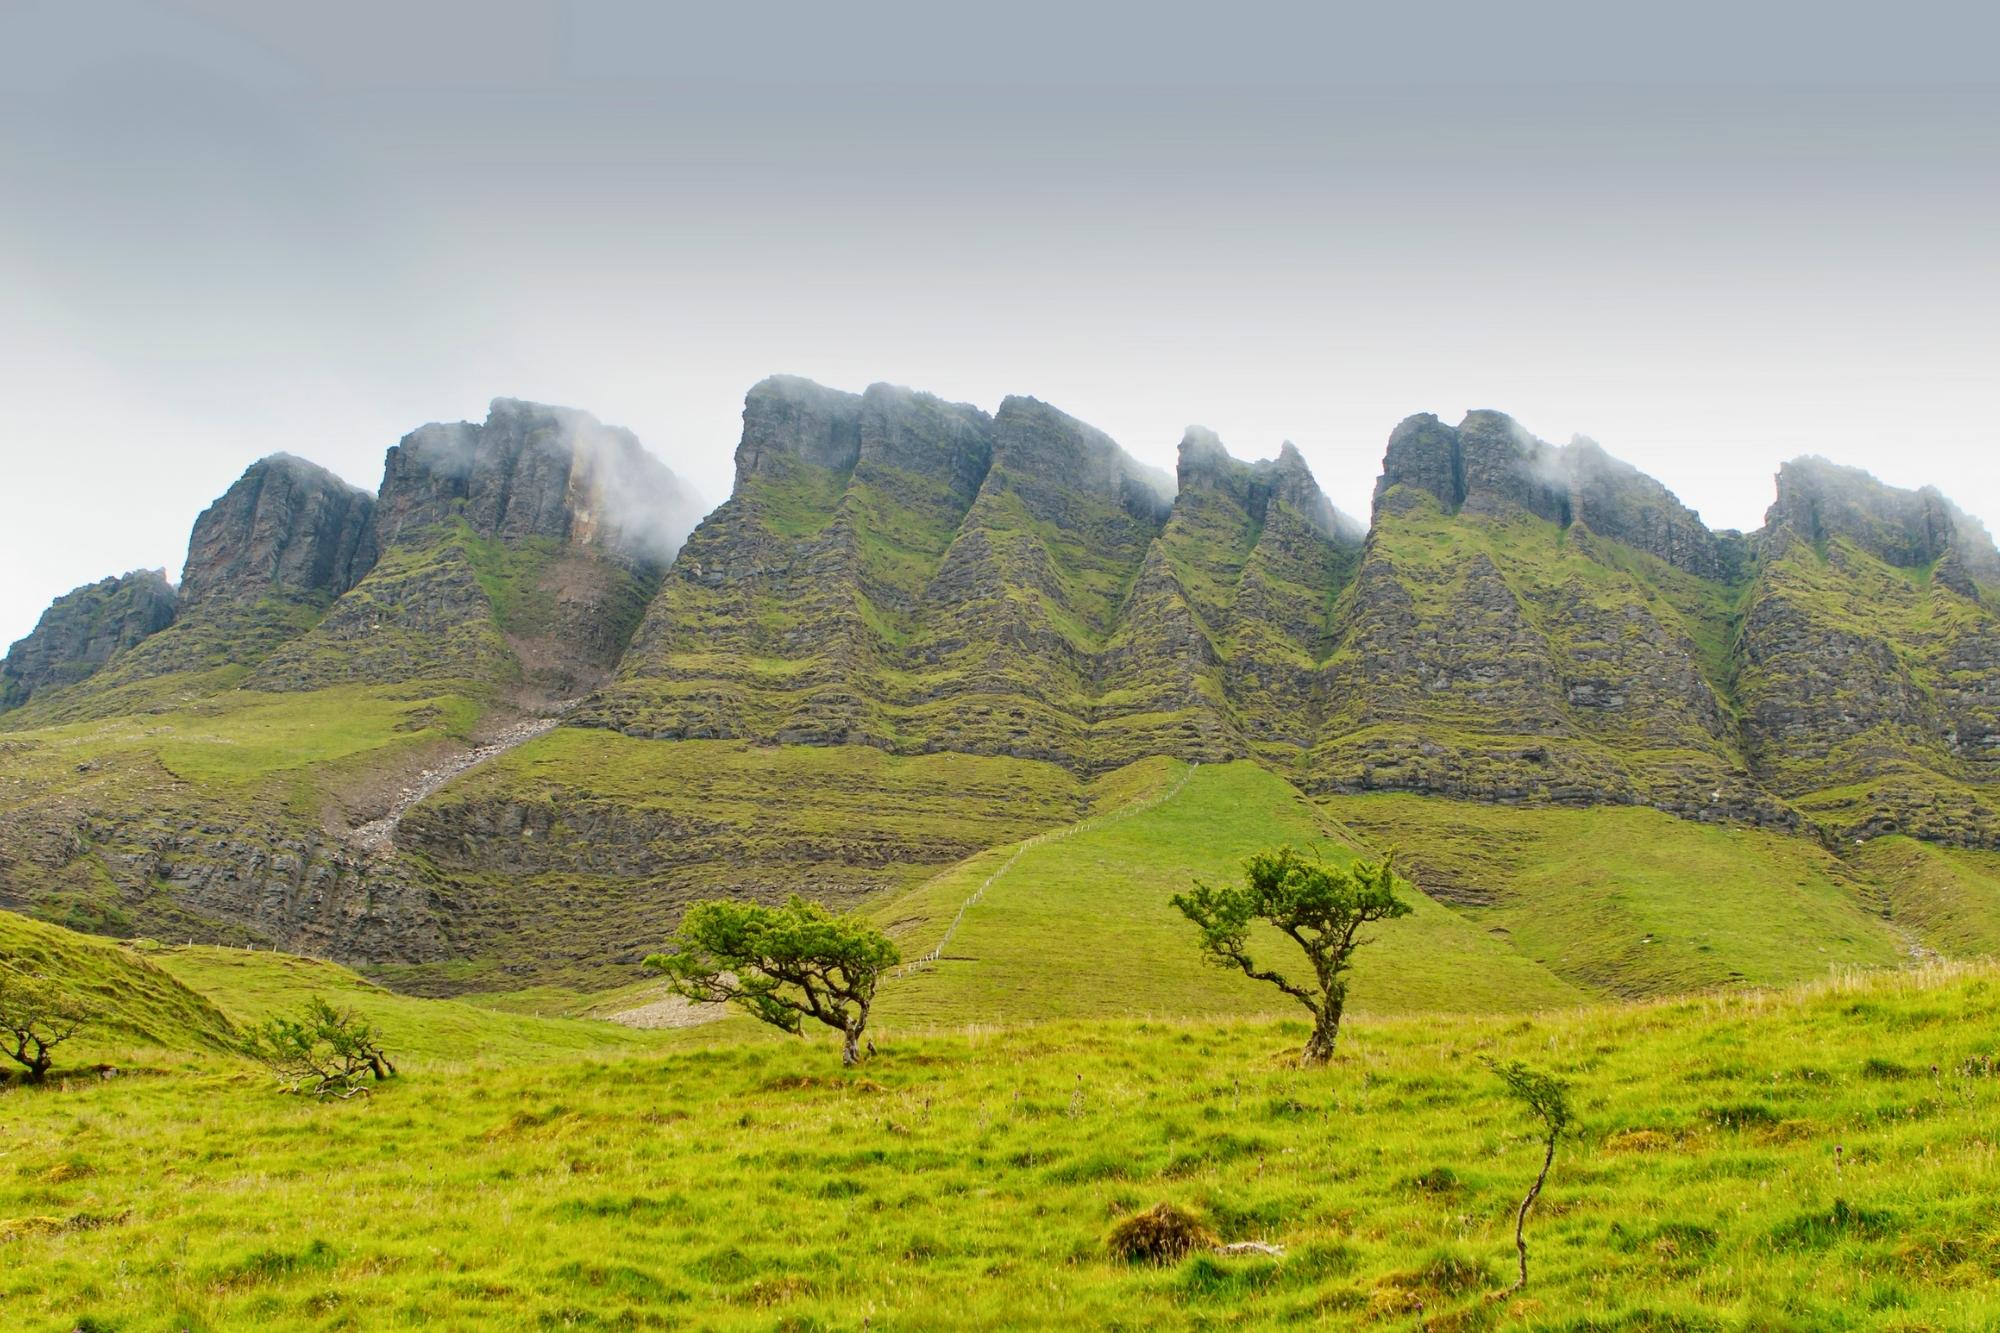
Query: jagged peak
{"type": "Point", "coordinates": [81, 630]}
{"type": "Point", "coordinates": [1204, 462]}
{"type": "Point", "coordinates": [1036, 439]}
{"type": "Point", "coordinates": [536, 469]}
{"type": "Point", "coordinates": [1491, 463]}
{"type": "Point", "coordinates": [920, 433]}
{"type": "Point", "coordinates": [1818, 499]}
{"type": "Point", "coordinates": [286, 523]}
{"type": "Point", "coordinates": [304, 467]}
{"type": "Point", "coordinates": [1202, 458]}
{"type": "Point", "coordinates": [787, 419]}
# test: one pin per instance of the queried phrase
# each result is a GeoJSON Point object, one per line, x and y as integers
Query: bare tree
{"type": "Point", "coordinates": [1547, 1099]}
{"type": "Point", "coordinates": [1319, 907]}
{"type": "Point", "coordinates": [325, 1052]}
{"type": "Point", "coordinates": [37, 1015]}
{"type": "Point", "coordinates": [783, 964]}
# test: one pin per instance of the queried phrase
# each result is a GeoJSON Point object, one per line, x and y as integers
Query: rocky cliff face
{"type": "Point", "coordinates": [518, 552]}
{"type": "Point", "coordinates": [1819, 502]}
{"type": "Point", "coordinates": [1871, 657]}
{"type": "Point", "coordinates": [536, 472]}
{"type": "Point", "coordinates": [911, 575]}
{"type": "Point", "coordinates": [1491, 465]}
{"type": "Point", "coordinates": [287, 527]}
{"type": "Point", "coordinates": [915, 575]}
{"type": "Point", "coordinates": [82, 630]}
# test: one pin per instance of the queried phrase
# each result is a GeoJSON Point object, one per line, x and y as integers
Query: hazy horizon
{"type": "Point", "coordinates": [232, 232]}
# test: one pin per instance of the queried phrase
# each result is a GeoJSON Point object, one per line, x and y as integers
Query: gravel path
{"type": "Point", "coordinates": [379, 835]}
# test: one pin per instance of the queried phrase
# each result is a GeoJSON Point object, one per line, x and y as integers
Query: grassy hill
{"type": "Point", "coordinates": [1076, 923]}
{"type": "Point", "coordinates": [142, 1003]}
{"type": "Point", "coordinates": [1630, 901]}
{"type": "Point", "coordinates": [1807, 1159]}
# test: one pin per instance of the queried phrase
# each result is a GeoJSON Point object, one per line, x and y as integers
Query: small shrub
{"type": "Point", "coordinates": [1163, 1234]}
{"type": "Point", "coordinates": [1437, 1180]}
{"type": "Point", "coordinates": [324, 1052]}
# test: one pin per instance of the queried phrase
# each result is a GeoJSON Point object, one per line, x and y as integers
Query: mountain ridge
{"type": "Point", "coordinates": [902, 595]}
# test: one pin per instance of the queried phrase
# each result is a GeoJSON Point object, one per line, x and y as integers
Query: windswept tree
{"type": "Point", "coordinates": [1547, 1099]}
{"type": "Point", "coordinates": [37, 1015]}
{"type": "Point", "coordinates": [324, 1051]}
{"type": "Point", "coordinates": [1319, 907]}
{"type": "Point", "coordinates": [784, 964]}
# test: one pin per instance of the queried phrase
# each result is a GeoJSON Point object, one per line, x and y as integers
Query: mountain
{"type": "Point", "coordinates": [82, 630]}
{"type": "Point", "coordinates": [496, 724]}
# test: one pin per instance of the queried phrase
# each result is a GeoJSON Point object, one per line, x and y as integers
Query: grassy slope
{"type": "Point", "coordinates": [1634, 902]}
{"type": "Point", "coordinates": [966, 1182]}
{"type": "Point", "coordinates": [1950, 897]}
{"type": "Point", "coordinates": [252, 986]}
{"type": "Point", "coordinates": [143, 1005]}
{"type": "Point", "coordinates": [276, 763]}
{"type": "Point", "coordinates": [1080, 924]}
{"type": "Point", "coordinates": [574, 854]}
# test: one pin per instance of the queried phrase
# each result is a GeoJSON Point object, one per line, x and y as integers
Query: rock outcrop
{"type": "Point", "coordinates": [1820, 501]}
{"type": "Point", "coordinates": [82, 630]}
{"type": "Point", "coordinates": [902, 572]}
{"type": "Point", "coordinates": [286, 527]}
{"type": "Point", "coordinates": [264, 562]}
{"type": "Point", "coordinates": [1871, 658]}
{"type": "Point", "coordinates": [1491, 465]}
{"type": "Point", "coordinates": [532, 471]}
{"type": "Point", "coordinates": [522, 550]}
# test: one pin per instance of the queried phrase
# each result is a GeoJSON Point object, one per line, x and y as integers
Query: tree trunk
{"type": "Point", "coordinates": [850, 1051]}
{"type": "Point", "coordinates": [1326, 1029]}
{"type": "Point", "coordinates": [1521, 1218]}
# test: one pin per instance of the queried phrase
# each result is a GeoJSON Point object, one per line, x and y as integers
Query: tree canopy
{"type": "Point", "coordinates": [37, 1015]}
{"type": "Point", "coordinates": [784, 964]}
{"type": "Point", "coordinates": [1318, 906]}
{"type": "Point", "coordinates": [1547, 1099]}
{"type": "Point", "coordinates": [324, 1051]}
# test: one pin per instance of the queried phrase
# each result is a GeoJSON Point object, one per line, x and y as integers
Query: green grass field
{"type": "Point", "coordinates": [1814, 1158]}
{"type": "Point", "coordinates": [1629, 901]}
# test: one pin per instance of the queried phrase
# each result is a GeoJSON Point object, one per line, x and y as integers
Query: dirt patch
{"type": "Point", "coordinates": [669, 1012]}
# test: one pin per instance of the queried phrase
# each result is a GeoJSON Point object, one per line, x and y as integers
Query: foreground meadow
{"type": "Point", "coordinates": [1817, 1158]}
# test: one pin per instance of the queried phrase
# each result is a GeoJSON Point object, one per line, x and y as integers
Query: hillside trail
{"type": "Point", "coordinates": [379, 835]}
{"type": "Point", "coordinates": [1067, 831]}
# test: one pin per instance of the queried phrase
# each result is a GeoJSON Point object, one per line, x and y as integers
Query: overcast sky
{"type": "Point", "coordinates": [1711, 239]}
